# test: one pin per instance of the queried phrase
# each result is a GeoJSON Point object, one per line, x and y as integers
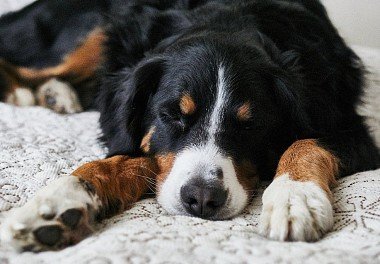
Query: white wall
{"type": "Point", "coordinates": [11, 5]}
{"type": "Point", "coordinates": [358, 21]}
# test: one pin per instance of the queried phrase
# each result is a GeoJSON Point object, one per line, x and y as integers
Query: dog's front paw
{"type": "Point", "coordinates": [61, 214]}
{"type": "Point", "coordinates": [295, 211]}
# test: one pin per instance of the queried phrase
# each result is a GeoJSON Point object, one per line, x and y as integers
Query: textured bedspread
{"type": "Point", "coordinates": [38, 146]}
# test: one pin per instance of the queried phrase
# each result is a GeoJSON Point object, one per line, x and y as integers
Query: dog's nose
{"type": "Point", "coordinates": [203, 201]}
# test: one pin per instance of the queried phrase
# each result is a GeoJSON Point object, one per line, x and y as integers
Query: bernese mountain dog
{"type": "Point", "coordinates": [199, 99]}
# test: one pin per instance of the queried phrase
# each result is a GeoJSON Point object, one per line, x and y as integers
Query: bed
{"type": "Point", "coordinates": [38, 146]}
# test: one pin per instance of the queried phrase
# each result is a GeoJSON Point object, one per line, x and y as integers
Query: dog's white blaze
{"type": "Point", "coordinates": [220, 103]}
{"type": "Point", "coordinates": [198, 160]}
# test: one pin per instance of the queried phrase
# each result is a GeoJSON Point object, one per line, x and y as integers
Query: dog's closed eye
{"type": "Point", "coordinates": [174, 119]}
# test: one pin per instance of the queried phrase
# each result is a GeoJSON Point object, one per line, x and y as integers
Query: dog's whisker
{"type": "Point", "coordinates": [154, 173]}
{"type": "Point", "coordinates": [149, 182]}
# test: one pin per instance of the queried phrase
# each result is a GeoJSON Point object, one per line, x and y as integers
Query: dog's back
{"type": "Point", "coordinates": [42, 33]}
{"type": "Point", "coordinates": [37, 42]}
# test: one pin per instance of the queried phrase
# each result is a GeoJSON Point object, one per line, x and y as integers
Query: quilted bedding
{"type": "Point", "coordinates": [38, 146]}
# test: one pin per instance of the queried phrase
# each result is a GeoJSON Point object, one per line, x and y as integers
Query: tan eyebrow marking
{"type": "Point", "coordinates": [145, 142]}
{"type": "Point", "coordinates": [187, 104]}
{"type": "Point", "coordinates": [244, 112]}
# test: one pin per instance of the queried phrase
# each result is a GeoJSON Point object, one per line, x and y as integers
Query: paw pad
{"type": "Point", "coordinates": [48, 235]}
{"type": "Point", "coordinates": [71, 217]}
{"type": "Point", "coordinates": [48, 223]}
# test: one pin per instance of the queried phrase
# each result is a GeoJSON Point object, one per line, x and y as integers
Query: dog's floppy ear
{"type": "Point", "coordinates": [283, 74]}
{"type": "Point", "coordinates": [123, 102]}
{"type": "Point", "coordinates": [287, 88]}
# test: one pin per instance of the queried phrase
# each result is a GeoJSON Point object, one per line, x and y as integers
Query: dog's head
{"type": "Point", "coordinates": [220, 109]}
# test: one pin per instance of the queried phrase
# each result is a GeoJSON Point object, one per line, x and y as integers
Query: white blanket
{"type": "Point", "coordinates": [37, 146]}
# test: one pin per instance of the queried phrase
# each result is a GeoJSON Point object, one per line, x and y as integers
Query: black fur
{"type": "Point", "coordinates": [42, 33]}
{"type": "Point", "coordinates": [284, 56]}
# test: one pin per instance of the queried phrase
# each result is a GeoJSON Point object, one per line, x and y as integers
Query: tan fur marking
{"type": "Point", "coordinates": [244, 112]}
{"type": "Point", "coordinates": [187, 104]}
{"type": "Point", "coordinates": [165, 164]}
{"type": "Point", "coordinates": [8, 73]}
{"type": "Point", "coordinates": [304, 160]}
{"type": "Point", "coordinates": [247, 175]}
{"type": "Point", "coordinates": [14, 91]}
{"type": "Point", "coordinates": [145, 142]}
{"type": "Point", "coordinates": [121, 181]}
{"type": "Point", "coordinates": [84, 61]}
{"type": "Point", "coordinates": [77, 66]}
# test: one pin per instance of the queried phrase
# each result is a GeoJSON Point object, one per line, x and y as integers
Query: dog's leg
{"type": "Point", "coordinates": [12, 90]}
{"type": "Point", "coordinates": [58, 87]}
{"type": "Point", "coordinates": [297, 205]}
{"type": "Point", "coordinates": [65, 211]}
